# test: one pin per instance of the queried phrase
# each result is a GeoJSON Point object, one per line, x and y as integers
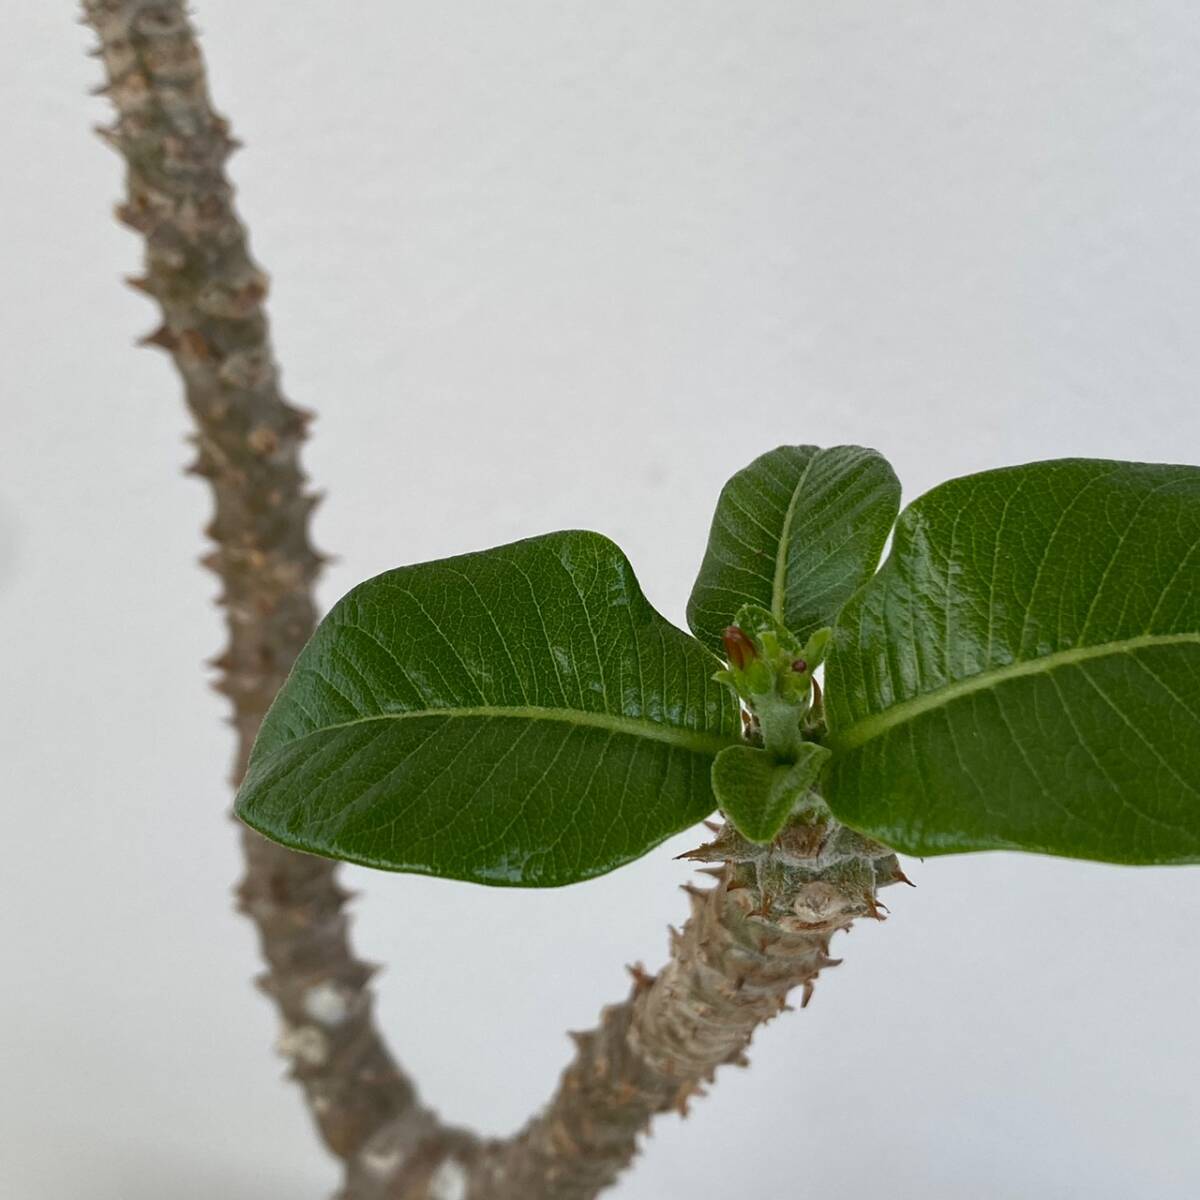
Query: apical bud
{"type": "Point", "coordinates": [799, 666]}
{"type": "Point", "coordinates": [739, 649]}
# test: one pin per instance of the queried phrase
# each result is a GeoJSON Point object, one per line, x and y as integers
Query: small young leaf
{"type": "Point", "coordinates": [1024, 671]}
{"type": "Point", "coordinates": [757, 793]}
{"type": "Point", "coordinates": [795, 532]}
{"type": "Point", "coordinates": [520, 716]}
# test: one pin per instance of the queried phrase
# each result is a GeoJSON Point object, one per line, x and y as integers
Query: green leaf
{"type": "Point", "coordinates": [519, 716]}
{"type": "Point", "coordinates": [757, 792]}
{"type": "Point", "coordinates": [1024, 672]}
{"type": "Point", "coordinates": [797, 531]}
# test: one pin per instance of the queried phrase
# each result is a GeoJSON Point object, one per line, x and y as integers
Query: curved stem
{"type": "Point", "coordinates": [763, 930]}
{"type": "Point", "coordinates": [248, 438]}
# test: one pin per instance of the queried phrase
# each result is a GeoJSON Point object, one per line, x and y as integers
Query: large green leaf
{"type": "Point", "coordinates": [517, 716]}
{"type": "Point", "coordinates": [795, 532]}
{"type": "Point", "coordinates": [1024, 671]}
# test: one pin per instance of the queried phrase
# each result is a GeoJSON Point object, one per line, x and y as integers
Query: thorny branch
{"type": "Point", "coordinates": [210, 291]}
{"type": "Point", "coordinates": [761, 931]}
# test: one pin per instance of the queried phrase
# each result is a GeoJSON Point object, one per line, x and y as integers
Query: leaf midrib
{"type": "Point", "coordinates": [880, 723]}
{"type": "Point", "coordinates": [687, 739]}
{"type": "Point", "coordinates": [779, 581]}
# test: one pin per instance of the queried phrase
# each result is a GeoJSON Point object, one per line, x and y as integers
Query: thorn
{"type": "Point", "coordinates": [202, 468]}
{"type": "Point", "coordinates": [582, 1039]}
{"type": "Point", "coordinates": [807, 995]}
{"type": "Point", "coordinates": [134, 218]}
{"type": "Point", "coordinates": [683, 1095]}
{"type": "Point", "coordinates": [696, 898]}
{"type": "Point", "coordinates": [712, 826]}
{"type": "Point", "coordinates": [716, 873]}
{"type": "Point", "coordinates": [642, 979]}
{"type": "Point", "coordinates": [709, 852]}
{"type": "Point", "coordinates": [310, 501]}
{"type": "Point", "coordinates": [110, 135]}
{"type": "Point", "coordinates": [161, 337]}
{"type": "Point", "coordinates": [140, 283]}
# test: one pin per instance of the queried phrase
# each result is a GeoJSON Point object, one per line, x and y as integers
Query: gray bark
{"type": "Point", "coordinates": [211, 292]}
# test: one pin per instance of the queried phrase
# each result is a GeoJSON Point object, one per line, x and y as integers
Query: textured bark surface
{"type": "Point", "coordinates": [761, 931]}
{"type": "Point", "coordinates": [199, 270]}
{"type": "Point", "coordinates": [764, 928]}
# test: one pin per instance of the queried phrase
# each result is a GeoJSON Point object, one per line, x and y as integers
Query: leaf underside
{"type": "Point", "coordinates": [520, 716]}
{"type": "Point", "coordinates": [1024, 671]}
{"type": "Point", "coordinates": [796, 532]}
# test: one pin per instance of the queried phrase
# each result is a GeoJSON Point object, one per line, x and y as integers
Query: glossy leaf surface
{"type": "Point", "coordinates": [757, 793]}
{"type": "Point", "coordinates": [797, 531]}
{"type": "Point", "coordinates": [1024, 671]}
{"type": "Point", "coordinates": [519, 716]}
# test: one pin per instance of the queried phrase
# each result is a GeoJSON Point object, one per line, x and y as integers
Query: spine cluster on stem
{"type": "Point", "coordinates": [761, 931]}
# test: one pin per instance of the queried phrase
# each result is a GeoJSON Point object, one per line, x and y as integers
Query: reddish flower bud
{"type": "Point", "coordinates": [739, 649]}
{"type": "Point", "coordinates": [799, 666]}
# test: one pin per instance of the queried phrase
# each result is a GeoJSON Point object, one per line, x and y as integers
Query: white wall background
{"type": "Point", "coordinates": [543, 265]}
